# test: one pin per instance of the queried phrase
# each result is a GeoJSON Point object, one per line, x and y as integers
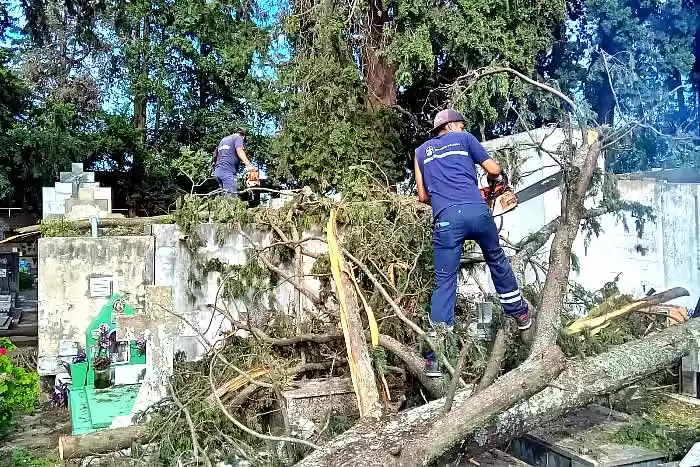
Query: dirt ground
{"type": "Point", "coordinates": [37, 434]}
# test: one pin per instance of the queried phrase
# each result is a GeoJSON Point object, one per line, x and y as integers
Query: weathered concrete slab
{"type": "Point", "coordinates": [175, 265]}
{"type": "Point", "coordinates": [583, 439]}
{"type": "Point", "coordinates": [66, 305]}
{"type": "Point", "coordinates": [692, 459]}
{"type": "Point", "coordinates": [315, 399]}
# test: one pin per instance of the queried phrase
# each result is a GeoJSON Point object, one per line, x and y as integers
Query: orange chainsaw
{"type": "Point", "coordinates": [253, 180]}
{"type": "Point", "coordinates": [499, 196]}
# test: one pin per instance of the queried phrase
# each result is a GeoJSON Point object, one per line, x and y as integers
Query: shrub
{"type": "Point", "coordinates": [18, 388]}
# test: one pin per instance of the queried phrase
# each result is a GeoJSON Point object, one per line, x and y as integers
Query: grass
{"type": "Point", "coordinates": [22, 458]}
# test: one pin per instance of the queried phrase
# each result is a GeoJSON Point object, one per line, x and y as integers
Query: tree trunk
{"type": "Point", "coordinates": [380, 74]}
{"type": "Point", "coordinates": [99, 442]}
{"type": "Point", "coordinates": [419, 435]}
{"type": "Point", "coordinates": [583, 381]}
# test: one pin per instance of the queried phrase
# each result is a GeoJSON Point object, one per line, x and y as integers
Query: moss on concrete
{"type": "Point", "coordinates": [663, 424]}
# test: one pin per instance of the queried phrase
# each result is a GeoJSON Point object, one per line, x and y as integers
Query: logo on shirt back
{"type": "Point", "coordinates": [429, 151]}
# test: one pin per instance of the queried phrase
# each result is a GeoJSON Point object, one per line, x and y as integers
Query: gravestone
{"type": "Point", "coordinates": [77, 196]}
{"type": "Point", "coordinates": [158, 326]}
{"type": "Point", "coordinates": [9, 273]}
{"type": "Point", "coordinates": [690, 371]}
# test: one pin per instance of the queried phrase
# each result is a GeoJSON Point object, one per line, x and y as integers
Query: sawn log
{"type": "Point", "coordinates": [99, 442]}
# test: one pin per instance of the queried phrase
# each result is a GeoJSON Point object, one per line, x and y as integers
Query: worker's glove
{"type": "Point", "coordinates": [494, 178]}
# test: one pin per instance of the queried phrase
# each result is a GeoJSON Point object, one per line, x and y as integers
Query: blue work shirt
{"type": "Point", "coordinates": [447, 163]}
{"type": "Point", "coordinates": [226, 157]}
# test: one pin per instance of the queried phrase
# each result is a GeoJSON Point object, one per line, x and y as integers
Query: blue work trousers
{"type": "Point", "coordinates": [452, 227]}
{"type": "Point", "coordinates": [227, 180]}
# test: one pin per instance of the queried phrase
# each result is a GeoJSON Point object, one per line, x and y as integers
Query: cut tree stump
{"type": "Point", "coordinates": [99, 442]}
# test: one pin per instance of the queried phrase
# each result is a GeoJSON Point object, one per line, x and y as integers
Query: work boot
{"type": "Point", "coordinates": [437, 334]}
{"type": "Point", "coordinates": [432, 368]}
{"type": "Point", "coordinates": [524, 321]}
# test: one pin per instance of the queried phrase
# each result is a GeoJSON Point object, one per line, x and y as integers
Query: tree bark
{"type": "Point", "coordinates": [379, 72]}
{"type": "Point", "coordinates": [583, 381]}
{"type": "Point", "coordinates": [415, 365]}
{"type": "Point", "coordinates": [419, 435]}
{"type": "Point", "coordinates": [99, 442]}
{"type": "Point", "coordinates": [419, 432]}
{"type": "Point", "coordinates": [493, 366]}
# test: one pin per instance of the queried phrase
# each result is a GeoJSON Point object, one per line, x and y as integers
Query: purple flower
{"type": "Point", "coordinates": [59, 396]}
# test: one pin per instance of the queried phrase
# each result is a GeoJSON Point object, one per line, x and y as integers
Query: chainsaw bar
{"type": "Point", "coordinates": [541, 187]}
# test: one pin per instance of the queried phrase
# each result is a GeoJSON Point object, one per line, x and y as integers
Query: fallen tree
{"type": "Point", "coordinates": [379, 262]}
{"type": "Point", "coordinates": [423, 434]}
{"type": "Point", "coordinates": [583, 381]}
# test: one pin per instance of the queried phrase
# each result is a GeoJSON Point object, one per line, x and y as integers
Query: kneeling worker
{"type": "Point", "coordinates": [227, 157]}
{"type": "Point", "coordinates": [447, 180]}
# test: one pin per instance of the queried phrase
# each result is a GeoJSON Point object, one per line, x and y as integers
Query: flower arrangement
{"type": "Point", "coordinates": [80, 358]}
{"type": "Point", "coordinates": [102, 361]}
{"type": "Point", "coordinates": [59, 396]}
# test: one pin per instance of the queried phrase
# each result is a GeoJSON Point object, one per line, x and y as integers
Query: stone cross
{"type": "Point", "coordinates": [77, 177]}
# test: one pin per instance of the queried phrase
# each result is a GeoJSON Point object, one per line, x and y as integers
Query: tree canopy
{"type": "Point", "coordinates": [327, 86]}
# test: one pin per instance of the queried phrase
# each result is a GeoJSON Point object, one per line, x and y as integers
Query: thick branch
{"type": "Point", "coordinates": [583, 381]}
{"type": "Point", "coordinates": [419, 435]}
{"type": "Point", "coordinates": [493, 366]}
{"type": "Point", "coordinates": [415, 365]}
{"type": "Point", "coordinates": [413, 362]}
{"type": "Point", "coordinates": [556, 283]}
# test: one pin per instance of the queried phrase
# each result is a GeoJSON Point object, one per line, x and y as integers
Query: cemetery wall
{"type": "Point", "coordinates": [175, 262]}
{"type": "Point", "coordinates": [67, 264]}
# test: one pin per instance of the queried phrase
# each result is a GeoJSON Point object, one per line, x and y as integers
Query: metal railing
{"type": "Point", "coordinates": [9, 210]}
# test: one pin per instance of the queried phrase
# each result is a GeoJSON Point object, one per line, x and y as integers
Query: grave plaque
{"type": "Point", "coordinates": [101, 287]}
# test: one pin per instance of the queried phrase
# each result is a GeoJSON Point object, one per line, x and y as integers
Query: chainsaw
{"type": "Point", "coordinates": [253, 180]}
{"type": "Point", "coordinates": [500, 198]}
{"type": "Point", "coordinates": [499, 195]}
